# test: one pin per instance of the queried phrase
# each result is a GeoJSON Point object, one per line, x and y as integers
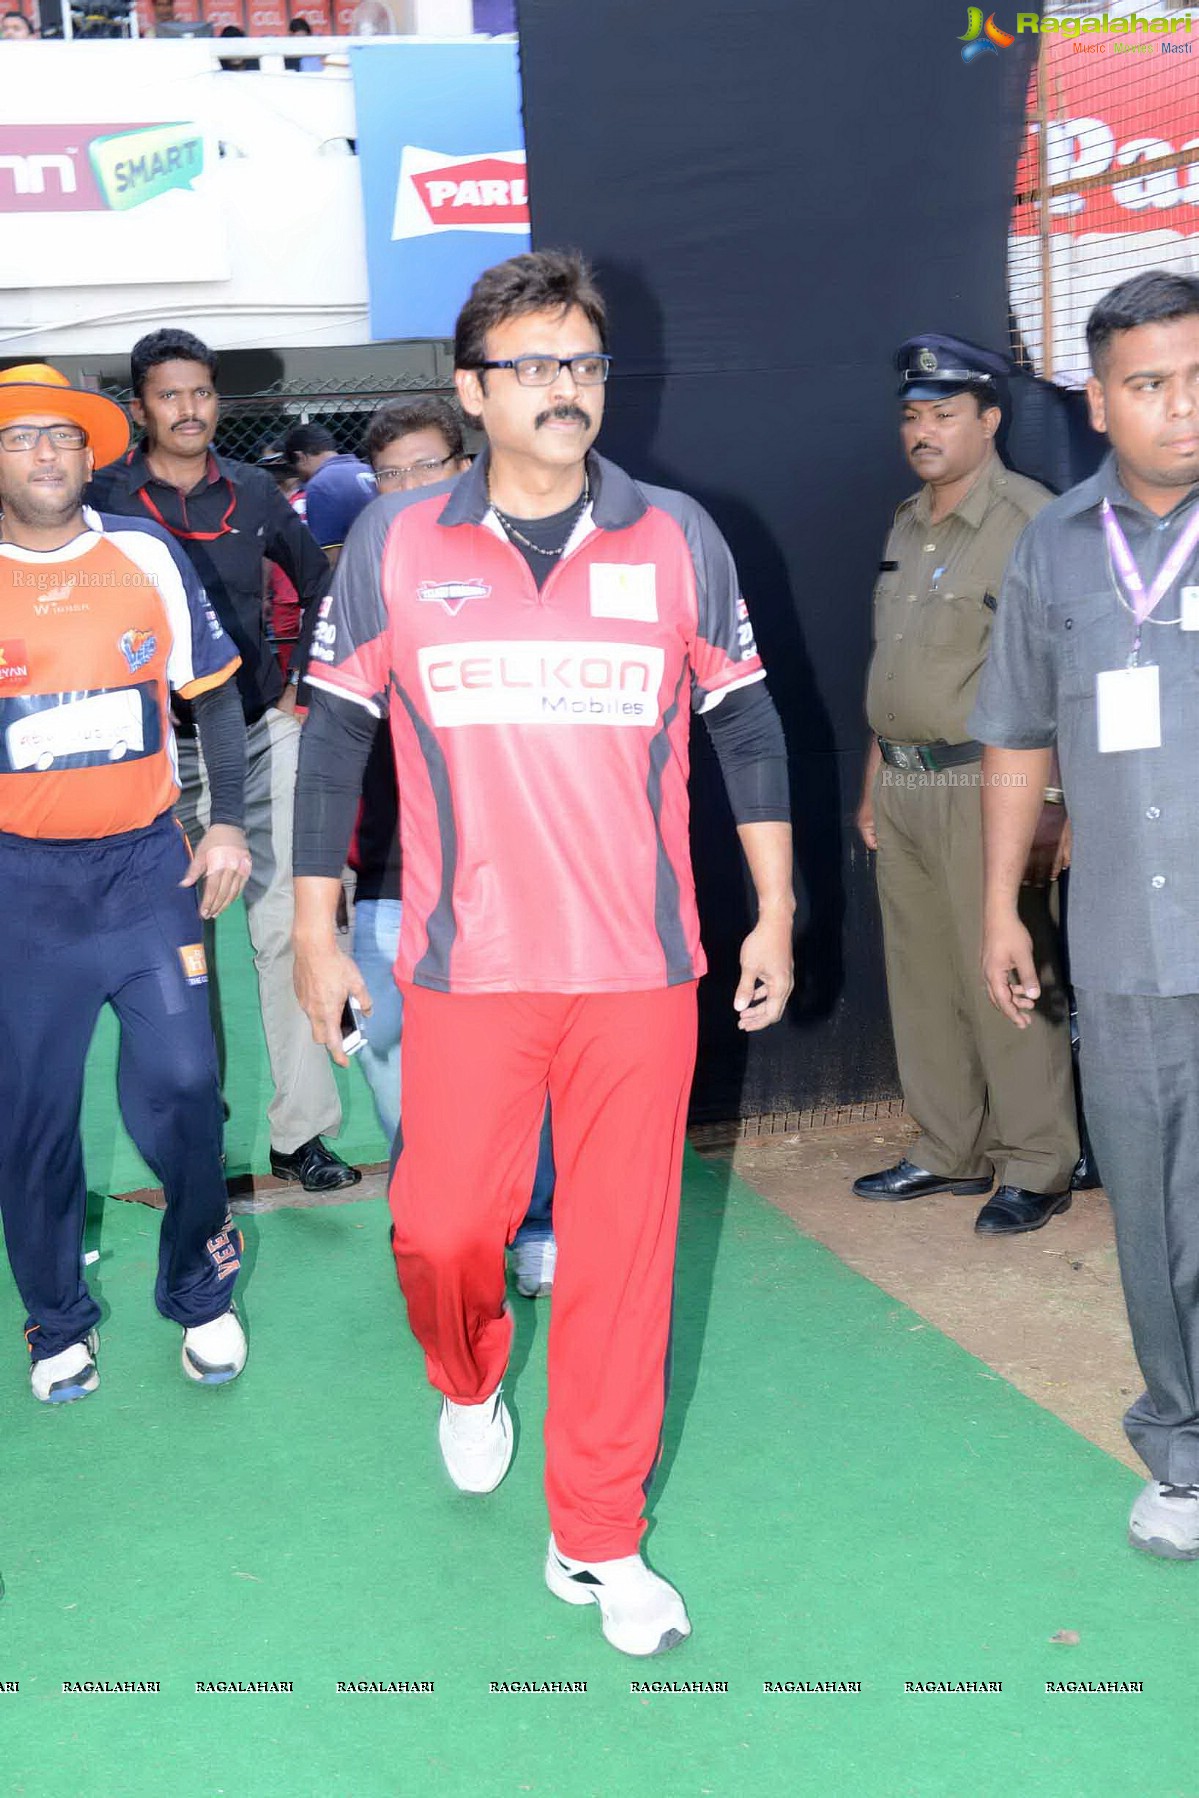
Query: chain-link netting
{"type": "Point", "coordinates": [1108, 184]}
{"type": "Point", "coordinates": [251, 421]}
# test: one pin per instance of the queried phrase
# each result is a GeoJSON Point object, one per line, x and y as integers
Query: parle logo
{"type": "Point", "coordinates": [983, 37]}
{"type": "Point", "coordinates": [487, 192]}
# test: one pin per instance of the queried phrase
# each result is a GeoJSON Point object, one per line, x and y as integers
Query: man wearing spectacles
{"type": "Point", "coordinates": [416, 443]}
{"type": "Point", "coordinates": [101, 621]}
{"type": "Point", "coordinates": [227, 517]}
{"type": "Point", "coordinates": [538, 635]}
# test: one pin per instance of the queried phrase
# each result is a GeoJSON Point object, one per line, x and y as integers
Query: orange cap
{"type": "Point", "coordinates": [35, 389]}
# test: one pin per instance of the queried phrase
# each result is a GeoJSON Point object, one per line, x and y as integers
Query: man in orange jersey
{"type": "Point", "coordinates": [101, 620]}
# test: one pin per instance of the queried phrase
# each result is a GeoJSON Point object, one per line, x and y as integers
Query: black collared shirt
{"type": "Point", "coordinates": [233, 518]}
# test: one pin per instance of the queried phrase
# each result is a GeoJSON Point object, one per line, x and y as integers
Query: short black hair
{"type": "Point", "coordinates": [308, 440]}
{"type": "Point", "coordinates": [167, 346]}
{"type": "Point", "coordinates": [299, 28]}
{"type": "Point", "coordinates": [1153, 298]}
{"type": "Point", "coordinates": [397, 417]}
{"type": "Point", "coordinates": [539, 281]}
{"type": "Point", "coordinates": [25, 20]}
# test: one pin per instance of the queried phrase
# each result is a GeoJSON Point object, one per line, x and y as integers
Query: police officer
{"type": "Point", "coordinates": [988, 1105]}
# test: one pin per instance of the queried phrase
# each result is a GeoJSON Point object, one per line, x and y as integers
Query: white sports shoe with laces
{"type": "Point", "coordinates": [641, 1613]}
{"type": "Point", "coordinates": [476, 1442]}
{"type": "Point", "coordinates": [69, 1375]}
{"type": "Point", "coordinates": [215, 1353]}
{"type": "Point", "coordinates": [533, 1265]}
{"type": "Point", "coordinates": [1165, 1521]}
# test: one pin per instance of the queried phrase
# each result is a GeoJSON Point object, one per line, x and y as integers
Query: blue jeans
{"type": "Point", "coordinates": [376, 943]}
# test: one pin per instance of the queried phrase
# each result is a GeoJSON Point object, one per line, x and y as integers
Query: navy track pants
{"type": "Point", "coordinates": [84, 925]}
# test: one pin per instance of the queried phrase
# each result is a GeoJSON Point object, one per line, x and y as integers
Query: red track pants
{"type": "Point", "coordinates": [618, 1067]}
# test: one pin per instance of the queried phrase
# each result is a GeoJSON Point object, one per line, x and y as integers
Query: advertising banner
{"type": "Point", "coordinates": [444, 185]}
{"type": "Point", "coordinates": [108, 183]}
{"type": "Point", "coordinates": [1109, 113]}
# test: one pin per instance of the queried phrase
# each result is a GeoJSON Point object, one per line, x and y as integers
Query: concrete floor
{"type": "Point", "coordinates": [1043, 1309]}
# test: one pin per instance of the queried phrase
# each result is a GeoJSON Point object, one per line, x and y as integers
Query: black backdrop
{"type": "Point", "coordinates": [775, 194]}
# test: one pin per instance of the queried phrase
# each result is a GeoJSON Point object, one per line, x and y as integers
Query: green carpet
{"type": "Point", "coordinates": [114, 1165]}
{"type": "Point", "coordinates": [847, 1496]}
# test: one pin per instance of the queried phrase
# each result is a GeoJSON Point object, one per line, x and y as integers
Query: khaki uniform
{"type": "Point", "coordinates": [984, 1095]}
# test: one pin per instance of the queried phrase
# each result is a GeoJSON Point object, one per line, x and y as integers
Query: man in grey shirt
{"type": "Point", "coordinates": [1096, 650]}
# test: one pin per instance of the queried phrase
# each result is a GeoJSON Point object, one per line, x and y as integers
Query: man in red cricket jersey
{"type": "Point", "coordinates": [538, 635]}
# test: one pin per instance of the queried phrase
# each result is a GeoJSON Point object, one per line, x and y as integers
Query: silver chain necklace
{"type": "Point", "coordinates": [517, 536]}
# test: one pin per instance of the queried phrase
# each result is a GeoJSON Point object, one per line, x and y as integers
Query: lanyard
{"type": "Point", "coordinates": [223, 530]}
{"type": "Point", "coordinates": [1144, 601]}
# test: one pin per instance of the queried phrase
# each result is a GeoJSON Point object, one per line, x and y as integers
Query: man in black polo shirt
{"type": "Point", "coordinates": [227, 517]}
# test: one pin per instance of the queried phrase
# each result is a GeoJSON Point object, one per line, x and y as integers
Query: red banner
{"type": "Point", "coordinates": [1109, 110]}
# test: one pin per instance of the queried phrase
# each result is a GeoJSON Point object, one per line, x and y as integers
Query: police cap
{"type": "Point", "coordinates": [932, 366]}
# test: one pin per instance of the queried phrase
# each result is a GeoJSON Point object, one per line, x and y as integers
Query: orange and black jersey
{"type": "Point", "coordinates": [94, 638]}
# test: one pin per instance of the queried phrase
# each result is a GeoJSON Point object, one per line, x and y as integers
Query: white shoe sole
{"type": "Point", "coordinates": [631, 1641]}
{"type": "Point", "coordinates": [1163, 1548]}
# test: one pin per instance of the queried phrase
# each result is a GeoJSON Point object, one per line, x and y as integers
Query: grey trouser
{"type": "Point", "coordinates": [984, 1094]}
{"type": "Point", "coordinates": [1140, 1084]}
{"type": "Point", "coordinates": [306, 1103]}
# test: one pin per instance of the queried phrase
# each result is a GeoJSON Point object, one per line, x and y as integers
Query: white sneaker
{"type": "Point", "coordinates": [533, 1264]}
{"type": "Point", "coordinates": [641, 1613]}
{"type": "Point", "coordinates": [68, 1375]}
{"type": "Point", "coordinates": [476, 1442]}
{"type": "Point", "coordinates": [215, 1352]}
{"type": "Point", "coordinates": [1165, 1521]}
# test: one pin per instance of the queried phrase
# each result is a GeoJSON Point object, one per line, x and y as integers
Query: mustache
{"type": "Point", "coordinates": [917, 447]}
{"type": "Point", "coordinates": [567, 411]}
{"type": "Point", "coordinates": [186, 421]}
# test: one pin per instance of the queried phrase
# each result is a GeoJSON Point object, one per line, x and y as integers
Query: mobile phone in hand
{"type": "Point", "coordinates": [353, 1037]}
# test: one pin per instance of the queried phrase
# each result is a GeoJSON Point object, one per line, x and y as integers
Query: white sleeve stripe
{"type": "Point", "coordinates": [368, 705]}
{"type": "Point", "coordinates": [746, 680]}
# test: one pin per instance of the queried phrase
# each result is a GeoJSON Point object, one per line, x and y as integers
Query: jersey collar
{"type": "Point", "coordinates": [616, 501]}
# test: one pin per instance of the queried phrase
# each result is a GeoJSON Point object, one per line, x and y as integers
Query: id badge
{"type": "Point", "coordinates": [1128, 702]}
{"type": "Point", "coordinates": [1190, 609]}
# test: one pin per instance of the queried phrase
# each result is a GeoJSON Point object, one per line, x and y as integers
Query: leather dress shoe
{"type": "Point", "coordinates": [314, 1167]}
{"type": "Point", "coordinates": [907, 1181]}
{"type": "Point", "coordinates": [1011, 1210]}
{"type": "Point", "coordinates": [1085, 1177]}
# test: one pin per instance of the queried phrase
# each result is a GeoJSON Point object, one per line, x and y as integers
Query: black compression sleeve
{"type": "Point", "coordinates": [747, 736]}
{"type": "Point", "coordinates": [221, 725]}
{"type": "Point", "coordinates": [334, 747]}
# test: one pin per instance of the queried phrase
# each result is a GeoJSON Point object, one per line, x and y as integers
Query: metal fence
{"type": "Point", "coordinates": [1108, 184]}
{"type": "Point", "coordinates": [344, 407]}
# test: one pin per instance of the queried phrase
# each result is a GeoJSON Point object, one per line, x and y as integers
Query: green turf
{"type": "Point", "coordinates": [114, 1165]}
{"type": "Point", "coordinates": [847, 1495]}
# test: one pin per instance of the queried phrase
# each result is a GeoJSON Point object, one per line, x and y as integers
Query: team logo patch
{"type": "Point", "coordinates": [138, 648]}
{"type": "Point", "coordinates": [195, 963]}
{"type": "Point", "coordinates": [453, 595]}
{"type": "Point", "coordinates": [14, 665]}
{"type": "Point", "coordinates": [624, 590]}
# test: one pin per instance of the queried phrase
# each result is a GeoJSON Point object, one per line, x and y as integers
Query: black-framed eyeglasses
{"type": "Point", "coordinates": [22, 438]}
{"type": "Point", "coordinates": [414, 471]}
{"type": "Point", "coordinates": [590, 370]}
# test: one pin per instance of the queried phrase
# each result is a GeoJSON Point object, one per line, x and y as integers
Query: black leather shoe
{"type": "Point", "coordinates": [907, 1181]}
{"type": "Point", "coordinates": [314, 1167]}
{"type": "Point", "coordinates": [1012, 1210]}
{"type": "Point", "coordinates": [1085, 1177]}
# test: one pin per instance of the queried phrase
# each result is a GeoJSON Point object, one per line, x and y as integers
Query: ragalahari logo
{"type": "Point", "coordinates": [95, 168]}
{"type": "Point", "coordinates": [983, 38]}
{"type": "Point", "coordinates": [435, 192]}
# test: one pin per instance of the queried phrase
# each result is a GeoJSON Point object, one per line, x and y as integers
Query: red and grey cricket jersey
{"type": "Point", "coordinates": [541, 737]}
